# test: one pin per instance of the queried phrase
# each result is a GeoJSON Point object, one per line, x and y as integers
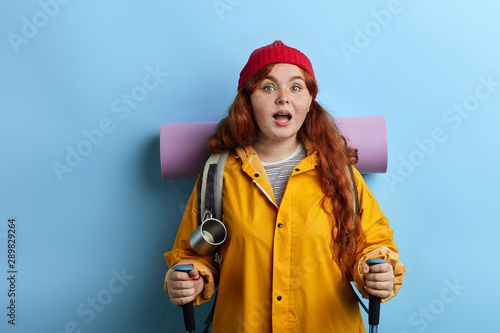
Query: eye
{"type": "Point", "coordinates": [296, 87]}
{"type": "Point", "coordinates": [269, 87]}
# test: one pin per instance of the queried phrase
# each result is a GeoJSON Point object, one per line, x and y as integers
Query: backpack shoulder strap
{"type": "Point", "coordinates": [219, 178]}
{"type": "Point", "coordinates": [210, 186]}
{"type": "Point", "coordinates": [357, 210]}
{"type": "Point", "coordinates": [210, 201]}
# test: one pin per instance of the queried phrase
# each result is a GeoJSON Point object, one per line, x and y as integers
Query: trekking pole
{"type": "Point", "coordinates": [374, 304]}
{"type": "Point", "coordinates": [187, 309]}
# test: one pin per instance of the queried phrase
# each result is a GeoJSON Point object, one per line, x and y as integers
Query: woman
{"type": "Point", "coordinates": [295, 239]}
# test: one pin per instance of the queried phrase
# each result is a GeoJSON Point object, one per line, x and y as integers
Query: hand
{"type": "Point", "coordinates": [183, 287]}
{"type": "Point", "coordinates": [379, 279]}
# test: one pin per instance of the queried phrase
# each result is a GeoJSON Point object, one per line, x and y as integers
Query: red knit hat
{"type": "Point", "coordinates": [274, 53]}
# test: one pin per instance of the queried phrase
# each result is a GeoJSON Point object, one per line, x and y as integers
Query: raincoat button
{"type": "Point", "coordinates": [280, 225]}
{"type": "Point", "coordinates": [297, 169]}
{"type": "Point", "coordinates": [279, 298]}
{"type": "Point", "coordinates": [256, 175]}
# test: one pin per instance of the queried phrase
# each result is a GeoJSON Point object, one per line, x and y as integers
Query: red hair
{"type": "Point", "coordinates": [333, 155]}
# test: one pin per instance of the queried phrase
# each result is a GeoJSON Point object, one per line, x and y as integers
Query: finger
{"type": "Point", "coordinates": [180, 293]}
{"type": "Point", "coordinates": [179, 276]}
{"type": "Point", "coordinates": [378, 293]}
{"type": "Point", "coordinates": [194, 274]}
{"type": "Point", "coordinates": [379, 277]}
{"type": "Point", "coordinates": [365, 268]}
{"type": "Point", "coordinates": [180, 301]}
{"type": "Point", "coordinates": [381, 268]}
{"type": "Point", "coordinates": [180, 285]}
{"type": "Point", "coordinates": [383, 285]}
{"type": "Point", "coordinates": [380, 273]}
{"type": "Point", "coordinates": [174, 292]}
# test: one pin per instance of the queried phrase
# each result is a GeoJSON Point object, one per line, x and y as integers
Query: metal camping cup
{"type": "Point", "coordinates": [210, 234]}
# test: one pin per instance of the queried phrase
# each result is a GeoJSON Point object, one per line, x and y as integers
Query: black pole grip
{"type": "Point", "coordinates": [374, 310]}
{"type": "Point", "coordinates": [187, 309]}
{"type": "Point", "coordinates": [188, 313]}
{"type": "Point", "coordinates": [374, 303]}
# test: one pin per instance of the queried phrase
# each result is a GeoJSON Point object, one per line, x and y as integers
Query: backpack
{"type": "Point", "coordinates": [210, 201]}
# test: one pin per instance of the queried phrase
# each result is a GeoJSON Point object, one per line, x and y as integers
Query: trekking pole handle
{"type": "Point", "coordinates": [374, 304]}
{"type": "Point", "coordinates": [187, 309]}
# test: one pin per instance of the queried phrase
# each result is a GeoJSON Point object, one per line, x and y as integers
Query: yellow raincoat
{"type": "Point", "coordinates": [278, 274]}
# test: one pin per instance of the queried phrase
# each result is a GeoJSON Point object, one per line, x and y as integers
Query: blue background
{"type": "Point", "coordinates": [111, 213]}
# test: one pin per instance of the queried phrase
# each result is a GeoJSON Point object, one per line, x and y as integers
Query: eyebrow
{"type": "Point", "coordinates": [298, 77]}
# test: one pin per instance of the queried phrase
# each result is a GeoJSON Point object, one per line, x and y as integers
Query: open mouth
{"type": "Point", "coordinates": [282, 116]}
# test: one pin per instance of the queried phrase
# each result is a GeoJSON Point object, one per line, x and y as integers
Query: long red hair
{"type": "Point", "coordinates": [333, 155]}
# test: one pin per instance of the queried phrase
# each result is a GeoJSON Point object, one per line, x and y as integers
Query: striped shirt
{"type": "Point", "coordinates": [279, 172]}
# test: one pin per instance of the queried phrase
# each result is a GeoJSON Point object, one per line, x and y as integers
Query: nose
{"type": "Point", "coordinates": [282, 97]}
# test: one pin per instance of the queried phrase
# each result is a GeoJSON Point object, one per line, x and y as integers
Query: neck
{"type": "Point", "coordinates": [276, 151]}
